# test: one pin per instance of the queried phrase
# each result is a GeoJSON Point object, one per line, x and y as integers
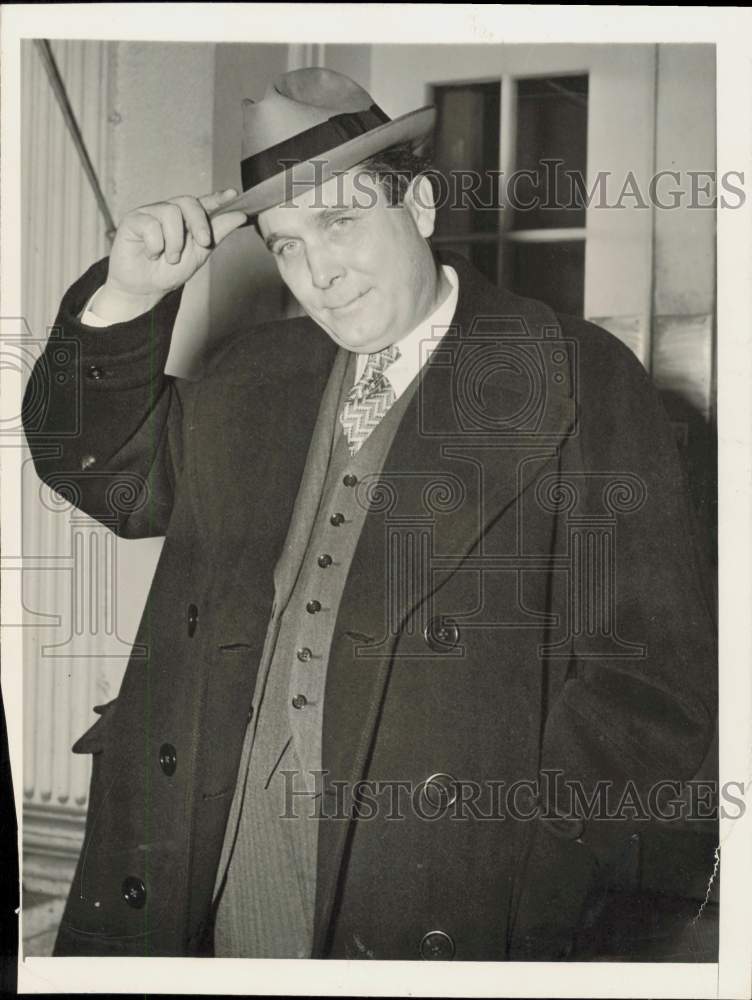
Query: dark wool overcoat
{"type": "Point", "coordinates": [525, 611]}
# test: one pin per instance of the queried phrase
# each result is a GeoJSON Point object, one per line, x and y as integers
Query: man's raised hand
{"type": "Point", "coordinates": [158, 247]}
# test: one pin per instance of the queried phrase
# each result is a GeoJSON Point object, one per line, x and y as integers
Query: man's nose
{"type": "Point", "coordinates": [324, 266]}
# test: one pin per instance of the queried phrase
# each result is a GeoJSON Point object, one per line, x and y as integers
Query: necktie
{"type": "Point", "coordinates": [369, 399]}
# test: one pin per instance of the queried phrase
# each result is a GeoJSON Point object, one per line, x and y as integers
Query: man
{"type": "Point", "coordinates": [416, 587]}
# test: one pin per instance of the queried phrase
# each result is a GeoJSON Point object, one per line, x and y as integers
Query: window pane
{"type": "Point", "coordinates": [551, 272]}
{"type": "Point", "coordinates": [466, 148]}
{"type": "Point", "coordinates": [551, 125]}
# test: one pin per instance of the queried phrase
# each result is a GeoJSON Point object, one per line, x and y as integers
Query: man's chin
{"type": "Point", "coordinates": [363, 343]}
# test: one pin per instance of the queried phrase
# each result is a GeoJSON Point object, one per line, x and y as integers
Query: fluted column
{"type": "Point", "coordinates": [63, 234]}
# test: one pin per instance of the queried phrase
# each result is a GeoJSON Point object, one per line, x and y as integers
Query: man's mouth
{"type": "Point", "coordinates": [349, 305]}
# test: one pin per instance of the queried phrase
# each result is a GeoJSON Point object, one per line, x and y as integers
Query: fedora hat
{"type": "Point", "coordinates": [310, 124]}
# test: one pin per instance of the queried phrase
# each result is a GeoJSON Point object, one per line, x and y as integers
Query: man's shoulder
{"type": "Point", "coordinates": [277, 349]}
{"type": "Point", "coordinates": [598, 353]}
{"type": "Point", "coordinates": [602, 358]}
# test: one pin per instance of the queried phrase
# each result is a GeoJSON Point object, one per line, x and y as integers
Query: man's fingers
{"type": "Point", "coordinates": [223, 225]}
{"type": "Point", "coordinates": [196, 220]}
{"type": "Point", "coordinates": [211, 202]}
{"type": "Point", "coordinates": [164, 227]}
{"type": "Point", "coordinates": [171, 219]}
{"type": "Point", "coordinates": [148, 229]}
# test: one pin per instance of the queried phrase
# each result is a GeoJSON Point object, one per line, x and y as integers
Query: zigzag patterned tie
{"type": "Point", "coordinates": [369, 399]}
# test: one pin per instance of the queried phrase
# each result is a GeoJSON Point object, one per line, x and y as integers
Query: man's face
{"type": "Point", "coordinates": [358, 266]}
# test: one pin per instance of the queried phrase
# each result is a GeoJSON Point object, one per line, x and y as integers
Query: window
{"type": "Point", "coordinates": [510, 205]}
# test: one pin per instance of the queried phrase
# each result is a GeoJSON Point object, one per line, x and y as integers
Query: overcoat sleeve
{"type": "Point", "coordinates": [102, 419]}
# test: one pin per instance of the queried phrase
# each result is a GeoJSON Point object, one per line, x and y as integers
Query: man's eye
{"type": "Point", "coordinates": [342, 222]}
{"type": "Point", "coordinates": [287, 249]}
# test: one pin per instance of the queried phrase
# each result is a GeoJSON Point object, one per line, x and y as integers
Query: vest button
{"type": "Point", "coordinates": [168, 759]}
{"type": "Point", "coordinates": [304, 654]}
{"type": "Point", "coordinates": [337, 519]}
{"type": "Point", "coordinates": [192, 620]}
{"type": "Point", "coordinates": [350, 480]}
{"type": "Point", "coordinates": [134, 892]}
{"type": "Point", "coordinates": [313, 607]}
{"type": "Point", "coordinates": [299, 701]}
{"type": "Point", "coordinates": [325, 560]}
{"type": "Point", "coordinates": [94, 373]}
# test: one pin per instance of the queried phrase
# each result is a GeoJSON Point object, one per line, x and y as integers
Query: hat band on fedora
{"type": "Point", "coordinates": [306, 145]}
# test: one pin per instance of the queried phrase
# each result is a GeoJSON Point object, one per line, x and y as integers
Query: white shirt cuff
{"type": "Point", "coordinates": [89, 318]}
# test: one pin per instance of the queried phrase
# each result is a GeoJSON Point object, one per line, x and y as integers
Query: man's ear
{"type": "Point", "coordinates": [419, 202]}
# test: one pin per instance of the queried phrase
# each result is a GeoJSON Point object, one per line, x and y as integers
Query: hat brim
{"type": "Point", "coordinates": [274, 190]}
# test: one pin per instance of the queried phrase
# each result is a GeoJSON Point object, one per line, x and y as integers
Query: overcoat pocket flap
{"type": "Point", "coordinates": [92, 740]}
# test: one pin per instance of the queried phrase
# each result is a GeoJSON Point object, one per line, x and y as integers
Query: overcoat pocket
{"type": "Point", "coordinates": [93, 739]}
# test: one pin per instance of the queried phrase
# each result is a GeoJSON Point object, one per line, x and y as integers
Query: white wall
{"type": "Point", "coordinates": [684, 248]}
{"type": "Point", "coordinates": [684, 269]}
{"type": "Point", "coordinates": [163, 138]}
{"type": "Point", "coordinates": [245, 286]}
{"type": "Point", "coordinates": [685, 140]}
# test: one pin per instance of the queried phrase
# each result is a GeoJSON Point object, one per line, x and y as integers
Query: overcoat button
{"type": "Point", "coordinates": [168, 759]}
{"type": "Point", "coordinates": [325, 560]}
{"type": "Point", "coordinates": [134, 892]}
{"type": "Point", "coordinates": [337, 519]}
{"type": "Point", "coordinates": [350, 480]}
{"type": "Point", "coordinates": [441, 635]}
{"type": "Point", "coordinates": [526, 801]}
{"type": "Point", "coordinates": [565, 829]}
{"type": "Point", "coordinates": [299, 701]}
{"type": "Point", "coordinates": [304, 654]}
{"type": "Point", "coordinates": [437, 946]}
{"type": "Point", "coordinates": [440, 790]}
{"type": "Point", "coordinates": [313, 607]}
{"type": "Point", "coordinates": [192, 620]}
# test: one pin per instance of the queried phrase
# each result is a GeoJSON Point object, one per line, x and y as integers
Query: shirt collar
{"type": "Point", "coordinates": [416, 347]}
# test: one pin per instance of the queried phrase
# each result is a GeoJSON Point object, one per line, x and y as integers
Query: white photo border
{"type": "Point", "coordinates": [729, 29]}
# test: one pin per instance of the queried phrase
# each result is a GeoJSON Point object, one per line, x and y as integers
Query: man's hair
{"type": "Point", "coordinates": [396, 168]}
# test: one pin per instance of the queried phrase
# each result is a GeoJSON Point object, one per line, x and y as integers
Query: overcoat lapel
{"type": "Point", "coordinates": [487, 417]}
